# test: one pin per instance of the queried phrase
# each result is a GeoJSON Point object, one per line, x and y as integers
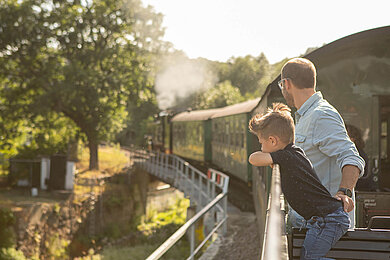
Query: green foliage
{"type": "Point", "coordinates": [175, 215]}
{"type": "Point", "coordinates": [11, 254]}
{"type": "Point", "coordinates": [113, 202]}
{"type": "Point", "coordinates": [7, 234]}
{"type": "Point", "coordinates": [223, 94]}
{"type": "Point", "coordinates": [246, 73]}
{"type": "Point", "coordinates": [83, 60]}
{"type": "Point", "coordinates": [57, 247]}
{"type": "Point", "coordinates": [113, 230]}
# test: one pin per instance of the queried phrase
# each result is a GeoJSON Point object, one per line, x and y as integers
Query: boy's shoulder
{"type": "Point", "coordinates": [291, 151]}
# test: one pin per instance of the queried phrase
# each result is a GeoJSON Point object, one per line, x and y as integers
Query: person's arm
{"type": "Point", "coordinates": [260, 159]}
{"type": "Point", "coordinates": [332, 140]}
{"type": "Point", "coordinates": [350, 175]}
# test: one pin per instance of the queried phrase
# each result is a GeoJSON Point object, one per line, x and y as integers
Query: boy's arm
{"type": "Point", "coordinates": [260, 159]}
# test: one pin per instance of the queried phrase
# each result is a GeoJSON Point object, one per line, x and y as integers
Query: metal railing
{"type": "Point", "coordinates": [207, 191]}
{"type": "Point", "coordinates": [275, 224]}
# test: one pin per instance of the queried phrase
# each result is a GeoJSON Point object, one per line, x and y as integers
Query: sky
{"type": "Point", "coordinates": [221, 29]}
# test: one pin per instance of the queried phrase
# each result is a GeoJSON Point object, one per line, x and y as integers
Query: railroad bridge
{"type": "Point", "coordinates": [208, 196]}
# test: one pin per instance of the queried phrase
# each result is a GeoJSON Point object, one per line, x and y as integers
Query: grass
{"type": "Point", "coordinates": [111, 161]}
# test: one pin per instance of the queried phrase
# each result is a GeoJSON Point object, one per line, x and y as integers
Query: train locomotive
{"type": "Point", "coordinates": [353, 74]}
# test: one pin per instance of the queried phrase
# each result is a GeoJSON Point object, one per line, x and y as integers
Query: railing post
{"type": "Point", "coordinates": [224, 226]}
{"type": "Point", "coordinates": [181, 178]}
{"type": "Point", "coordinates": [193, 185]}
{"type": "Point", "coordinates": [213, 179]}
{"type": "Point", "coordinates": [200, 191]}
{"type": "Point", "coordinates": [208, 191]}
{"type": "Point", "coordinates": [174, 168]}
{"type": "Point", "coordinates": [186, 179]}
{"type": "Point", "coordinates": [161, 165]}
{"type": "Point", "coordinates": [166, 166]}
{"type": "Point", "coordinates": [192, 239]}
{"type": "Point", "coordinates": [155, 164]}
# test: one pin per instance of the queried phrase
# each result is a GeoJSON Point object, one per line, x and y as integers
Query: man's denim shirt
{"type": "Point", "coordinates": [321, 133]}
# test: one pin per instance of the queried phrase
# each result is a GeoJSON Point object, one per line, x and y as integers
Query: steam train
{"type": "Point", "coordinates": [353, 74]}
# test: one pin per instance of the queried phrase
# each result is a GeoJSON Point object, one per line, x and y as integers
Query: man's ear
{"type": "Point", "coordinates": [288, 84]}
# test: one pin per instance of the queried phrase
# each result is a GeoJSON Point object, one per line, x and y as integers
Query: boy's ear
{"type": "Point", "coordinates": [272, 139]}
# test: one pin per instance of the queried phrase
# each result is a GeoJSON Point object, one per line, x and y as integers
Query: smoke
{"type": "Point", "coordinates": [181, 77]}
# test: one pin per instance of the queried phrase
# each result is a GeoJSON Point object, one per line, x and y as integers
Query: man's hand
{"type": "Point", "coordinates": [347, 201]}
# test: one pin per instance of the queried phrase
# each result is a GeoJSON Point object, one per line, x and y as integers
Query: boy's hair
{"type": "Point", "coordinates": [277, 121]}
{"type": "Point", "coordinates": [301, 72]}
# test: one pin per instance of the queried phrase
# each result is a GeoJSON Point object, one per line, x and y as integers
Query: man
{"type": "Point", "coordinates": [321, 133]}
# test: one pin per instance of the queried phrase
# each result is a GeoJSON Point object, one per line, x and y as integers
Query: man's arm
{"type": "Point", "coordinates": [260, 159]}
{"type": "Point", "coordinates": [350, 175]}
{"type": "Point", "coordinates": [332, 140]}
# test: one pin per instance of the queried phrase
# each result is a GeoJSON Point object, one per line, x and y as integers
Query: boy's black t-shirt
{"type": "Point", "coordinates": [301, 185]}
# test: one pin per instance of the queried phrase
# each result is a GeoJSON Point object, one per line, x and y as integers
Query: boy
{"type": "Point", "coordinates": [325, 217]}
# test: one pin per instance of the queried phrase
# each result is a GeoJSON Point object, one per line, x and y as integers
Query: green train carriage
{"type": "Point", "coordinates": [232, 143]}
{"type": "Point", "coordinates": [192, 133]}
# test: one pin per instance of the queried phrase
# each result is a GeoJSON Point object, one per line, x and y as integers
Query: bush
{"type": "Point", "coordinates": [7, 234]}
{"type": "Point", "coordinates": [11, 254]}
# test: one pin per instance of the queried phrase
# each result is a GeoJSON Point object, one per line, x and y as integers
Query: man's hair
{"type": "Point", "coordinates": [301, 72]}
{"type": "Point", "coordinates": [276, 121]}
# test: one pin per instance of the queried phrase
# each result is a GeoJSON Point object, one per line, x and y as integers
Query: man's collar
{"type": "Point", "coordinates": [309, 102]}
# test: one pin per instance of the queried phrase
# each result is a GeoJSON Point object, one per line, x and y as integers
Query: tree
{"type": "Point", "coordinates": [246, 72]}
{"type": "Point", "coordinates": [223, 94]}
{"type": "Point", "coordinates": [86, 60]}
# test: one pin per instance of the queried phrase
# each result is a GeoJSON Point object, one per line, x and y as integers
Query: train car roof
{"type": "Point", "coordinates": [240, 108]}
{"type": "Point", "coordinates": [373, 42]}
{"type": "Point", "coordinates": [196, 115]}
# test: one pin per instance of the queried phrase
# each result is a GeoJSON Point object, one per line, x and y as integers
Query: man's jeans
{"type": "Point", "coordinates": [323, 233]}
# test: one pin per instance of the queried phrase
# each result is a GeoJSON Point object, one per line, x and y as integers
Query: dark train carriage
{"type": "Point", "coordinates": [159, 133]}
{"type": "Point", "coordinates": [232, 143]}
{"type": "Point", "coordinates": [191, 132]}
{"type": "Point", "coordinates": [353, 74]}
{"type": "Point", "coordinates": [166, 133]}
